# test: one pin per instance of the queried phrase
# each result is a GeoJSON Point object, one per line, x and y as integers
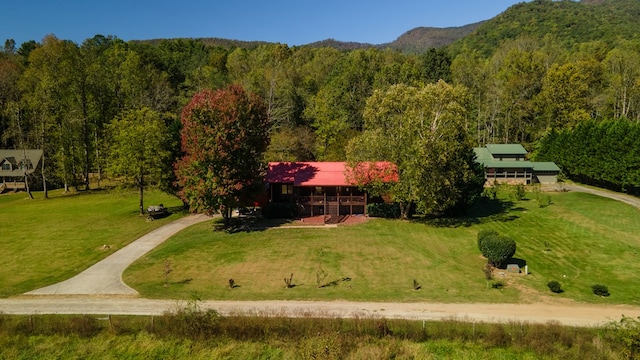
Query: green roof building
{"type": "Point", "coordinates": [508, 164]}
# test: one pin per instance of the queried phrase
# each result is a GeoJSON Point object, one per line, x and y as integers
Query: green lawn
{"type": "Point", "coordinates": [44, 241]}
{"type": "Point", "coordinates": [578, 240]}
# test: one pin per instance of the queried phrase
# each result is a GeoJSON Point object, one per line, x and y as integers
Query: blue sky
{"type": "Point", "coordinates": [285, 21]}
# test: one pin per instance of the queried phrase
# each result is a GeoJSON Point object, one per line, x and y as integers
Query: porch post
{"type": "Point", "coordinates": [324, 204]}
{"type": "Point", "coordinates": [365, 204]}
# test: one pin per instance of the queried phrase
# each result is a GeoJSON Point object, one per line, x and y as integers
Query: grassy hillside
{"type": "Point", "coordinates": [44, 241]}
{"type": "Point", "coordinates": [579, 240]}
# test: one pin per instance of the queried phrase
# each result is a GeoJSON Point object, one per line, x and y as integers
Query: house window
{"type": "Point", "coordinates": [6, 167]}
{"type": "Point", "coordinates": [319, 190]}
{"type": "Point", "coordinates": [287, 189]}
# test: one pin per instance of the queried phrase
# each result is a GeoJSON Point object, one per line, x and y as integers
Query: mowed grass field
{"type": "Point", "coordinates": [43, 241]}
{"type": "Point", "coordinates": [578, 240]}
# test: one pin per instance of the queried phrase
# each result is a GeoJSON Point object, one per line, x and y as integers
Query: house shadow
{"type": "Point", "coordinates": [248, 224]}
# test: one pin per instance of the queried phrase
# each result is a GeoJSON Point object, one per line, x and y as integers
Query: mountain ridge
{"type": "Point", "coordinates": [572, 21]}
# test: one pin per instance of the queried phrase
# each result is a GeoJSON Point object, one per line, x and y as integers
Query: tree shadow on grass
{"type": "Point", "coordinates": [248, 224]}
{"type": "Point", "coordinates": [520, 262]}
{"type": "Point", "coordinates": [334, 282]}
{"type": "Point", "coordinates": [485, 210]}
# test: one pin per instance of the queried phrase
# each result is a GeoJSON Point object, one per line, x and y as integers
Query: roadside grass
{"type": "Point", "coordinates": [44, 241]}
{"type": "Point", "coordinates": [578, 240]}
{"type": "Point", "coordinates": [205, 335]}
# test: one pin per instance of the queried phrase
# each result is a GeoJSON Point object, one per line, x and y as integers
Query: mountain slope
{"type": "Point", "coordinates": [421, 39]}
{"type": "Point", "coordinates": [568, 21]}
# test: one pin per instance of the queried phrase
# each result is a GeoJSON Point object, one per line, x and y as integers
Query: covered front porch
{"type": "Point", "coordinates": [332, 202]}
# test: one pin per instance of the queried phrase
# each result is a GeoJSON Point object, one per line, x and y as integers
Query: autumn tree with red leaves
{"type": "Point", "coordinates": [224, 137]}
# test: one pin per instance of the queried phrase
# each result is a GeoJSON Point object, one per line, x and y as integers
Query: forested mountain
{"type": "Point", "coordinates": [537, 67]}
{"type": "Point", "coordinates": [568, 22]}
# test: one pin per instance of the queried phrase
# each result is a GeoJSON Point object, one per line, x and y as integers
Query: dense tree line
{"type": "Point", "coordinates": [605, 154]}
{"type": "Point", "coordinates": [62, 97]}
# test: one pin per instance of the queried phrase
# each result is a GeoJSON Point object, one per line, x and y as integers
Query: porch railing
{"type": "Point", "coordinates": [334, 200]}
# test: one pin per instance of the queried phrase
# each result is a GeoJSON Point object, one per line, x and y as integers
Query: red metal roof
{"type": "Point", "coordinates": [322, 173]}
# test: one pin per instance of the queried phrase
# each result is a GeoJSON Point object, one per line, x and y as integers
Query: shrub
{"type": "Point", "coordinates": [195, 322]}
{"type": "Point", "coordinates": [280, 211]}
{"type": "Point", "coordinates": [498, 249]}
{"type": "Point", "coordinates": [554, 286]}
{"type": "Point", "coordinates": [389, 211]}
{"type": "Point", "coordinates": [289, 282]}
{"type": "Point", "coordinates": [488, 271]}
{"type": "Point", "coordinates": [491, 192]}
{"type": "Point", "coordinates": [416, 285]}
{"type": "Point", "coordinates": [544, 200]}
{"type": "Point", "coordinates": [600, 290]}
{"type": "Point", "coordinates": [627, 333]}
{"type": "Point", "coordinates": [519, 192]}
{"type": "Point", "coordinates": [482, 235]}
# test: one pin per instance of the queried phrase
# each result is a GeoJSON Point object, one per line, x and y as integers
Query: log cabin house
{"type": "Point", "coordinates": [326, 189]}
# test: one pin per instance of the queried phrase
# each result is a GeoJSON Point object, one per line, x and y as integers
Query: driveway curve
{"type": "Point", "coordinates": [627, 199]}
{"type": "Point", "coordinates": [105, 277]}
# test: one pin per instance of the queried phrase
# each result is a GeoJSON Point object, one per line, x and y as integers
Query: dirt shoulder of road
{"type": "Point", "coordinates": [575, 314]}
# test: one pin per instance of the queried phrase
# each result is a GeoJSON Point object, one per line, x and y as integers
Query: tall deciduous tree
{"type": "Point", "coordinates": [9, 96]}
{"type": "Point", "coordinates": [623, 73]}
{"type": "Point", "coordinates": [566, 91]}
{"type": "Point", "coordinates": [224, 136]}
{"type": "Point", "coordinates": [50, 87]}
{"type": "Point", "coordinates": [420, 130]}
{"type": "Point", "coordinates": [138, 151]}
{"type": "Point", "coordinates": [336, 110]}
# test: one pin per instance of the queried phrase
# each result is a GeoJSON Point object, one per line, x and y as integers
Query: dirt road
{"type": "Point", "coordinates": [566, 314]}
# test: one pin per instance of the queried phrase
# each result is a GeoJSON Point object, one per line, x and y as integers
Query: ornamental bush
{"type": "Point", "coordinates": [554, 286]}
{"type": "Point", "coordinates": [600, 290]}
{"type": "Point", "coordinates": [498, 249]}
{"type": "Point", "coordinates": [482, 235]}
